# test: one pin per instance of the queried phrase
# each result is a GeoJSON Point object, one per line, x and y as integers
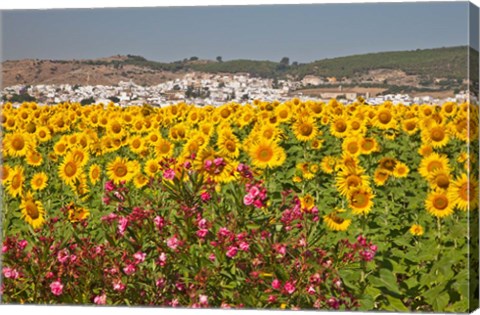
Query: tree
{"type": "Point", "coordinates": [219, 59]}
{"type": "Point", "coordinates": [193, 58]}
{"type": "Point", "coordinates": [285, 61]}
{"type": "Point", "coordinates": [87, 101]}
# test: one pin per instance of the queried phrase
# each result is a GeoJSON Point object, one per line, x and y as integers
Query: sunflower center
{"type": "Point", "coordinates": [5, 173]}
{"type": "Point", "coordinates": [154, 138]}
{"type": "Point", "coordinates": [389, 164]}
{"type": "Point", "coordinates": [336, 219]}
{"type": "Point", "coordinates": [42, 134]}
{"type": "Point", "coordinates": [121, 170]}
{"type": "Point", "coordinates": [116, 128]}
{"type": "Point", "coordinates": [368, 144]}
{"type": "Point", "coordinates": [443, 181]}
{"type": "Point", "coordinates": [95, 173]}
{"type": "Point", "coordinates": [136, 143]}
{"type": "Point", "coordinates": [465, 193]}
{"type": "Point", "coordinates": [306, 129]}
{"type": "Point", "coordinates": [355, 125]}
{"type": "Point", "coordinates": [437, 134]}
{"type": "Point", "coordinates": [268, 134]}
{"type": "Point", "coordinates": [225, 113]}
{"type": "Point", "coordinates": [359, 200]}
{"type": "Point", "coordinates": [265, 154]}
{"type": "Point", "coordinates": [340, 126]}
{"type": "Point", "coordinates": [32, 210]}
{"type": "Point", "coordinates": [16, 181]}
{"type": "Point", "coordinates": [230, 145]}
{"type": "Point", "coordinates": [283, 114]}
{"type": "Point", "coordinates": [164, 148]}
{"type": "Point", "coordinates": [352, 147]}
{"type": "Point", "coordinates": [353, 181]}
{"type": "Point", "coordinates": [70, 169]}
{"type": "Point", "coordinates": [35, 157]}
{"type": "Point", "coordinates": [440, 202]}
{"type": "Point", "coordinates": [434, 165]}
{"type": "Point", "coordinates": [18, 143]}
{"type": "Point", "coordinates": [153, 168]}
{"type": "Point", "coordinates": [384, 117]}
{"type": "Point", "coordinates": [410, 125]}
{"type": "Point", "coordinates": [449, 108]}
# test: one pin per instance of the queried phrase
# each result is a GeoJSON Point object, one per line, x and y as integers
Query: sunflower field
{"type": "Point", "coordinates": [293, 205]}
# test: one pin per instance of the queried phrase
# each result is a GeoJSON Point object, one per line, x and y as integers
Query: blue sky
{"type": "Point", "coordinates": [264, 32]}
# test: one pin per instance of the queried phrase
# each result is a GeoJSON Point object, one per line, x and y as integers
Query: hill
{"type": "Point", "coordinates": [449, 64]}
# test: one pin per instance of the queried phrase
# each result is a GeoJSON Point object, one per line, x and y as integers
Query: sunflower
{"type": "Point", "coordinates": [115, 128]}
{"type": "Point", "coordinates": [140, 180]}
{"type": "Point", "coordinates": [416, 230]}
{"type": "Point", "coordinates": [437, 136]}
{"type": "Point", "coordinates": [316, 144]}
{"type": "Point", "coordinates": [439, 204]}
{"type": "Point", "coordinates": [120, 170]}
{"type": "Point", "coordinates": [401, 170]}
{"type": "Point", "coordinates": [60, 148]}
{"type": "Point", "coordinates": [269, 132]}
{"type": "Point", "coordinates": [335, 222]}
{"type": "Point", "coordinates": [76, 213]}
{"type": "Point", "coordinates": [94, 173]}
{"type": "Point", "coordinates": [283, 113]}
{"type": "Point", "coordinates": [16, 144]}
{"type": "Point", "coordinates": [384, 119]}
{"type": "Point", "coordinates": [34, 158]}
{"type": "Point", "coordinates": [327, 165]}
{"type": "Point", "coordinates": [351, 145]}
{"type": "Point", "coordinates": [388, 164]}
{"type": "Point", "coordinates": [368, 145]}
{"type": "Point", "coordinates": [460, 128]}
{"type": "Point", "coordinates": [39, 181]}
{"type": "Point", "coordinates": [307, 203]}
{"type": "Point", "coordinates": [78, 155]}
{"type": "Point", "coordinates": [449, 109]}
{"type": "Point", "coordinates": [349, 179]}
{"type": "Point", "coordinates": [152, 138]}
{"type": "Point", "coordinates": [43, 134]}
{"type": "Point", "coordinates": [164, 148]}
{"type": "Point", "coordinates": [439, 179]}
{"type": "Point", "coordinates": [433, 162]}
{"type": "Point", "coordinates": [357, 126]}
{"type": "Point", "coordinates": [305, 129]}
{"type": "Point", "coordinates": [6, 173]}
{"type": "Point", "coordinates": [228, 144]}
{"type": "Point", "coordinates": [410, 126]}
{"type": "Point", "coordinates": [464, 192]}
{"type": "Point", "coordinates": [152, 167]}
{"type": "Point", "coordinates": [136, 144]}
{"type": "Point", "coordinates": [32, 211]}
{"type": "Point", "coordinates": [15, 185]}
{"type": "Point", "coordinates": [69, 171]}
{"type": "Point", "coordinates": [425, 150]}
{"type": "Point", "coordinates": [267, 154]}
{"type": "Point", "coordinates": [339, 127]}
{"type": "Point", "coordinates": [380, 176]}
{"type": "Point", "coordinates": [360, 200]}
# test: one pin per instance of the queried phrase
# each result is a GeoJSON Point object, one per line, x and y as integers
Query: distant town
{"type": "Point", "coordinates": [205, 89]}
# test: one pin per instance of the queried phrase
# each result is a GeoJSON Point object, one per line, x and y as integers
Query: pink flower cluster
{"type": "Point", "coordinates": [364, 249]}
{"type": "Point", "coordinates": [257, 195]}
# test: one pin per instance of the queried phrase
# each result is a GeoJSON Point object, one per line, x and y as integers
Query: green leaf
{"type": "Point", "coordinates": [440, 302]}
{"type": "Point", "coordinates": [367, 302]}
{"type": "Point", "coordinates": [395, 304]}
{"type": "Point", "coordinates": [387, 280]}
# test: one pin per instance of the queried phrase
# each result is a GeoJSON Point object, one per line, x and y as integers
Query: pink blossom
{"type": "Point", "coordinates": [202, 233]}
{"type": "Point", "coordinates": [129, 269]}
{"type": "Point", "coordinates": [162, 259]}
{"type": "Point", "coordinates": [225, 305]}
{"type": "Point", "coordinates": [73, 258]}
{"type": "Point", "coordinates": [219, 162]}
{"type": "Point", "coordinates": [173, 242]}
{"type": "Point", "coordinates": [311, 290]}
{"type": "Point", "coordinates": [254, 191]}
{"type": "Point", "coordinates": [174, 303]}
{"type": "Point", "coordinates": [100, 299]}
{"type": "Point", "coordinates": [4, 248]}
{"type": "Point", "coordinates": [122, 225]}
{"type": "Point", "coordinates": [212, 257]}
{"type": "Point", "coordinates": [272, 299]}
{"type": "Point", "coordinates": [139, 257]}
{"type": "Point", "coordinates": [373, 248]}
{"type": "Point", "coordinates": [118, 285]}
{"type": "Point", "coordinates": [203, 299]}
{"type": "Point", "coordinates": [109, 186]}
{"type": "Point", "coordinates": [367, 255]}
{"type": "Point", "coordinates": [119, 196]}
{"type": "Point", "coordinates": [362, 240]}
{"type": "Point", "coordinates": [333, 302]}
{"type": "Point", "coordinates": [244, 246]}
{"type": "Point", "coordinates": [22, 244]}
{"type": "Point", "coordinates": [49, 275]}
{"type": "Point", "coordinates": [202, 224]}
{"type": "Point", "coordinates": [62, 256]}
{"type": "Point", "coordinates": [224, 232]}
{"type": "Point", "coordinates": [289, 287]}
{"type": "Point", "coordinates": [187, 165]}
{"type": "Point", "coordinates": [276, 284]}
{"type": "Point", "coordinates": [159, 222]}
{"type": "Point", "coordinates": [10, 273]}
{"type": "Point", "coordinates": [110, 217]}
{"type": "Point", "coordinates": [232, 251]}
{"type": "Point", "coordinates": [56, 287]}
{"type": "Point", "coordinates": [160, 282]}
{"type": "Point", "coordinates": [207, 164]}
{"type": "Point", "coordinates": [106, 200]}
{"type": "Point", "coordinates": [169, 174]}
{"type": "Point", "coordinates": [248, 199]}
{"type": "Point", "coordinates": [258, 203]}
{"type": "Point", "coordinates": [205, 196]}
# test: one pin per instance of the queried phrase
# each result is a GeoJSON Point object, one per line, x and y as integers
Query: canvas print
{"type": "Point", "coordinates": [314, 157]}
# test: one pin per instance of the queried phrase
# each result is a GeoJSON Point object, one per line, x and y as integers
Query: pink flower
{"type": "Point", "coordinates": [248, 199]}
{"type": "Point", "coordinates": [139, 257]}
{"type": "Point", "coordinates": [289, 287]}
{"type": "Point", "coordinates": [10, 273]}
{"type": "Point", "coordinates": [258, 203]}
{"type": "Point", "coordinates": [173, 242]}
{"type": "Point", "coordinates": [169, 174]}
{"type": "Point", "coordinates": [254, 191]}
{"type": "Point", "coordinates": [232, 251]}
{"type": "Point", "coordinates": [276, 284]}
{"type": "Point", "coordinates": [129, 269]}
{"type": "Point", "coordinates": [207, 164]}
{"type": "Point", "coordinates": [203, 299]}
{"type": "Point", "coordinates": [22, 244]}
{"type": "Point", "coordinates": [100, 299]}
{"type": "Point", "coordinates": [244, 246]}
{"type": "Point", "coordinates": [119, 196]}
{"type": "Point", "coordinates": [218, 161]}
{"type": "Point", "coordinates": [56, 287]}
{"type": "Point", "coordinates": [373, 248]}
{"type": "Point", "coordinates": [272, 299]}
{"type": "Point", "coordinates": [160, 282]}
{"type": "Point", "coordinates": [4, 248]}
{"type": "Point", "coordinates": [174, 303]}
{"type": "Point", "coordinates": [109, 186]}
{"type": "Point", "coordinates": [62, 256]}
{"type": "Point", "coordinates": [162, 259]}
{"type": "Point", "coordinates": [367, 255]}
{"type": "Point", "coordinates": [212, 257]}
{"type": "Point", "coordinates": [311, 290]}
{"type": "Point", "coordinates": [333, 302]}
{"type": "Point", "coordinates": [205, 196]}
{"type": "Point", "coordinates": [73, 258]}
{"type": "Point", "coordinates": [122, 225]}
{"type": "Point", "coordinates": [187, 165]}
{"type": "Point", "coordinates": [159, 222]}
{"type": "Point", "coordinates": [224, 232]}
{"type": "Point", "coordinates": [202, 224]}
{"type": "Point", "coordinates": [118, 285]}
{"type": "Point", "coordinates": [106, 200]}
{"type": "Point", "coordinates": [202, 233]}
